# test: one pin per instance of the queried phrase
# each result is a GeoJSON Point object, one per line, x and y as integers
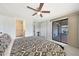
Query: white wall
{"type": "Point", "coordinates": [49, 30]}
{"type": "Point", "coordinates": [45, 29]}
{"type": "Point", "coordinates": [37, 28]}
{"type": "Point", "coordinates": [28, 28]}
{"type": "Point", "coordinates": [7, 25]}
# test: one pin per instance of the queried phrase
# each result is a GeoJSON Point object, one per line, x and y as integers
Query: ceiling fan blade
{"type": "Point", "coordinates": [40, 6]}
{"type": "Point", "coordinates": [41, 15]}
{"type": "Point", "coordinates": [34, 14]}
{"type": "Point", "coordinates": [31, 8]}
{"type": "Point", "coordinates": [45, 11]}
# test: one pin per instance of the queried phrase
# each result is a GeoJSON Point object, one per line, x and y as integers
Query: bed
{"type": "Point", "coordinates": [36, 46]}
{"type": "Point", "coordinates": [5, 40]}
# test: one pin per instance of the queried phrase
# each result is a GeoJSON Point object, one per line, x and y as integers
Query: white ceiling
{"type": "Point", "coordinates": [21, 11]}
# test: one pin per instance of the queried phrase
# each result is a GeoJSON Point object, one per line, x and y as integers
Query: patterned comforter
{"type": "Point", "coordinates": [36, 46]}
{"type": "Point", "coordinates": [5, 40]}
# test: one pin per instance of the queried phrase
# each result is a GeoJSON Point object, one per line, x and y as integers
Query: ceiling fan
{"type": "Point", "coordinates": [38, 10]}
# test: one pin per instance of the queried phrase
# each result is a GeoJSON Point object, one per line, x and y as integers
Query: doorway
{"type": "Point", "coordinates": [19, 29]}
{"type": "Point", "coordinates": [60, 30]}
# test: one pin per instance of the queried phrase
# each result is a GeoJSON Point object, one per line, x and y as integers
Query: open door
{"type": "Point", "coordinates": [19, 29]}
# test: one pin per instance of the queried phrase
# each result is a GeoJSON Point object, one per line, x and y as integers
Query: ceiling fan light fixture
{"type": "Point", "coordinates": [38, 13]}
{"type": "Point", "coordinates": [38, 10]}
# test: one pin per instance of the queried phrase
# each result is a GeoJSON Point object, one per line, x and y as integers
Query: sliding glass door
{"type": "Point", "coordinates": [60, 30]}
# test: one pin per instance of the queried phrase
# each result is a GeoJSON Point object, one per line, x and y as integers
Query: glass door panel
{"type": "Point", "coordinates": [60, 30]}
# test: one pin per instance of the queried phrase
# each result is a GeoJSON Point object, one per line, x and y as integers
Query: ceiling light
{"type": "Point", "coordinates": [38, 13]}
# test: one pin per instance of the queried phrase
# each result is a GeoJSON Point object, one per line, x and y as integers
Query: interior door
{"type": "Point", "coordinates": [19, 28]}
